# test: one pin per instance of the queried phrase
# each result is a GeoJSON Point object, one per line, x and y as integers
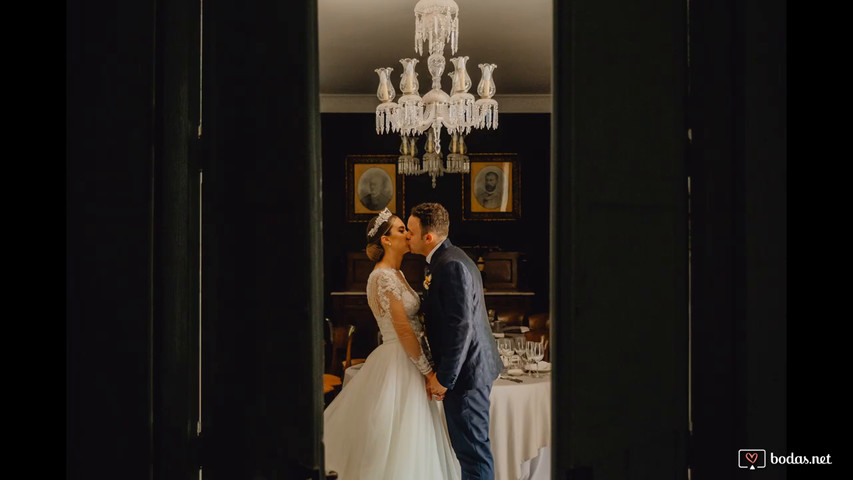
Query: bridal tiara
{"type": "Point", "coordinates": [384, 215]}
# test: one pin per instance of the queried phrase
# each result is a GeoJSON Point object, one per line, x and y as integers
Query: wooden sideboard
{"type": "Point", "coordinates": [500, 283]}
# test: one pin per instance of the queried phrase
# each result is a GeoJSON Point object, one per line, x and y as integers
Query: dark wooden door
{"type": "Point", "coordinates": [262, 310]}
{"type": "Point", "coordinates": [619, 242]}
{"type": "Point", "coordinates": [132, 270]}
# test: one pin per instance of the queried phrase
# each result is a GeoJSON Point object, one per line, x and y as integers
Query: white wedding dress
{"type": "Point", "coordinates": [382, 425]}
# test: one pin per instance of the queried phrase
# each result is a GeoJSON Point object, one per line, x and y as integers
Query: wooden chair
{"type": "Point", "coordinates": [330, 382]}
{"type": "Point", "coordinates": [341, 349]}
{"type": "Point", "coordinates": [511, 317]}
{"type": "Point", "coordinates": [540, 331]}
{"type": "Point", "coordinates": [539, 322]}
{"type": "Point", "coordinates": [337, 341]}
{"type": "Point", "coordinates": [355, 361]}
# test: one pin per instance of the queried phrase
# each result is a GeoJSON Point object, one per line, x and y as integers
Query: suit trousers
{"type": "Point", "coordinates": [467, 413]}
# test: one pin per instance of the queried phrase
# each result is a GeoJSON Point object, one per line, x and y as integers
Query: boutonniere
{"type": "Point", "coordinates": [427, 280]}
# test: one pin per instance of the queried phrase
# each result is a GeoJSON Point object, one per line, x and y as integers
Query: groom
{"type": "Point", "coordinates": [463, 347]}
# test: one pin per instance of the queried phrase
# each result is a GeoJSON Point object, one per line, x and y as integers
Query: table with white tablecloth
{"type": "Point", "coordinates": [519, 426]}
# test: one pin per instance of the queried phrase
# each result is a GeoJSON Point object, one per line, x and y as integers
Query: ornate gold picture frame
{"type": "Point", "coordinates": [372, 184]}
{"type": "Point", "coordinates": [492, 190]}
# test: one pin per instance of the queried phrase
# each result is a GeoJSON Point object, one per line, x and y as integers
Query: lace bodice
{"type": "Point", "coordinates": [395, 306]}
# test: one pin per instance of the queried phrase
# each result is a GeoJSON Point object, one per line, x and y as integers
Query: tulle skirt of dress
{"type": "Point", "coordinates": [382, 426]}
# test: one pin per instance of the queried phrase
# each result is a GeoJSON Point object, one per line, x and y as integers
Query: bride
{"type": "Point", "coordinates": [383, 424]}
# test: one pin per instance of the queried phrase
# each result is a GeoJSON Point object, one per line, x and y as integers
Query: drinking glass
{"type": "Point", "coordinates": [535, 354]}
{"type": "Point", "coordinates": [518, 344]}
{"type": "Point", "coordinates": [520, 350]}
{"type": "Point", "coordinates": [505, 349]}
{"type": "Point", "coordinates": [515, 363]}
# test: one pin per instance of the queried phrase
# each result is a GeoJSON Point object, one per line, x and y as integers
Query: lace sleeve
{"type": "Point", "coordinates": [391, 300]}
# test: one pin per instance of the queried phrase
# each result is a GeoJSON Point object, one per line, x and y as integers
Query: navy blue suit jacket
{"type": "Point", "coordinates": [457, 326]}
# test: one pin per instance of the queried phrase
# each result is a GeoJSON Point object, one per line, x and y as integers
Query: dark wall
{"type": "Point", "coordinates": [527, 135]}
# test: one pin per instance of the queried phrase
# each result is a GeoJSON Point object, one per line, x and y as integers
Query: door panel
{"type": "Point", "coordinates": [262, 259]}
{"type": "Point", "coordinates": [620, 240]}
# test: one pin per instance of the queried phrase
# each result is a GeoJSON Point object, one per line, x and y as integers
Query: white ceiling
{"type": "Point", "coordinates": [358, 36]}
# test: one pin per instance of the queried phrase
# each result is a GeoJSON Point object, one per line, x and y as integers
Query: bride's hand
{"type": "Point", "coordinates": [434, 387]}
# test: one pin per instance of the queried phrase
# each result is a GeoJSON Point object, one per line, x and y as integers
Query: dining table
{"type": "Point", "coordinates": [519, 425]}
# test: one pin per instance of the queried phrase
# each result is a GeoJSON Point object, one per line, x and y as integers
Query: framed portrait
{"type": "Point", "coordinates": [492, 190]}
{"type": "Point", "coordinates": [372, 184]}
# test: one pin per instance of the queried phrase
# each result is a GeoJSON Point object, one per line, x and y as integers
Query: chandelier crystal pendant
{"type": "Point", "coordinates": [437, 23]}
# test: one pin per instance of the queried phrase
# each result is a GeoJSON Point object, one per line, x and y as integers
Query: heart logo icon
{"type": "Point", "coordinates": [752, 457]}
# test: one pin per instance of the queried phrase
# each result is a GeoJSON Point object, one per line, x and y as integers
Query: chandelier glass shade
{"type": "Point", "coordinates": [412, 116]}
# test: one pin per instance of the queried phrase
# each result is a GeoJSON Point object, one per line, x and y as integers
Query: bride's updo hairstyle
{"type": "Point", "coordinates": [378, 227]}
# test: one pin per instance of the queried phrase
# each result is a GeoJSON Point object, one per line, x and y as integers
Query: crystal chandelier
{"type": "Point", "coordinates": [437, 22]}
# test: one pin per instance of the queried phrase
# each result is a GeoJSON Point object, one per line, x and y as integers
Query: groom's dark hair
{"type": "Point", "coordinates": [434, 218]}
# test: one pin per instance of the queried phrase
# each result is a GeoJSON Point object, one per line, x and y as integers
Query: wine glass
{"type": "Point", "coordinates": [535, 354]}
{"type": "Point", "coordinates": [505, 349]}
{"type": "Point", "coordinates": [520, 346]}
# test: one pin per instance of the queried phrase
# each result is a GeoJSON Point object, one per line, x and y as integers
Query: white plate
{"type": "Point", "coordinates": [545, 368]}
{"type": "Point", "coordinates": [515, 372]}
